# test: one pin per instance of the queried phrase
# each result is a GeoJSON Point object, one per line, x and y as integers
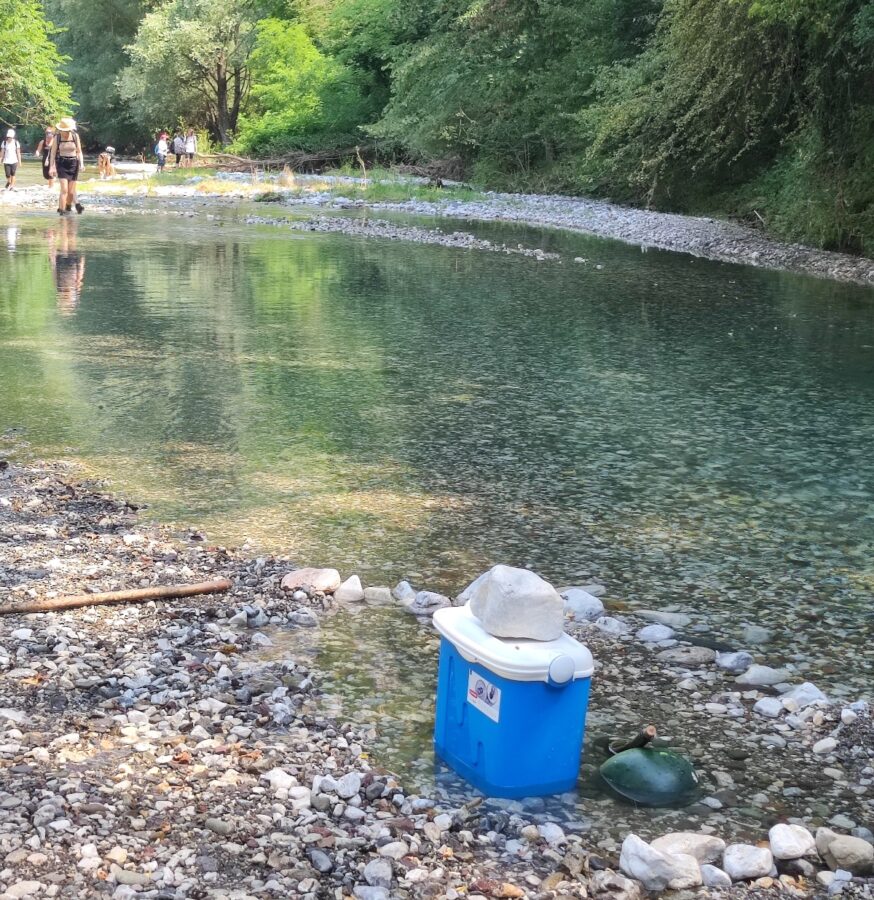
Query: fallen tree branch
{"type": "Point", "coordinates": [295, 160]}
{"type": "Point", "coordinates": [138, 595]}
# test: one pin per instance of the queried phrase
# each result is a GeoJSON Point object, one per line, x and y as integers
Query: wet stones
{"type": "Point", "coordinates": [581, 605]}
{"type": "Point", "coordinates": [762, 676]}
{"type": "Point", "coordinates": [655, 633]}
{"type": "Point", "coordinates": [735, 662]}
{"type": "Point", "coordinates": [673, 619]}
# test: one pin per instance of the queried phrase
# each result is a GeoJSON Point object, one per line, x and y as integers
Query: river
{"type": "Point", "coordinates": [694, 434]}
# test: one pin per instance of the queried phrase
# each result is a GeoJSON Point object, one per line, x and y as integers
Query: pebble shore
{"type": "Point", "coordinates": [142, 754]}
{"type": "Point", "coordinates": [700, 236]}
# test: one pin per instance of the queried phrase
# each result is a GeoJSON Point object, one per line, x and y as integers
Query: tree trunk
{"type": "Point", "coordinates": [222, 121]}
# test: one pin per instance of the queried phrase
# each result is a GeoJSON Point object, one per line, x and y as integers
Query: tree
{"type": "Point", "coordinates": [190, 62]}
{"type": "Point", "coordinates": [32, 88]}
{"type": "Point", "coordinates": [301, 97]}
{"type": "Point", "coordinates": [93, 34]}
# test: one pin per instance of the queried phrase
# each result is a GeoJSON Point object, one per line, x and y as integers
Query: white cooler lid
{"type": "Point", "coordinates": [516, 659]}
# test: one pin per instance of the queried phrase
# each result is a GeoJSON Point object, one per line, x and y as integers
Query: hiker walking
{"type": "Point", "coordinates": [190, 147]}
{"type": "Point", "coordinates": [65, 164]}
{"type": "Point", "coordinates": [11, 152]}
{"type": "Point", "coordinates": [44, 149]}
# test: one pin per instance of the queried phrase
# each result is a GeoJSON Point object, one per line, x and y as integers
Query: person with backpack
{"type": "Point", "coordinates": [162, 148]}
{"type": "Point", "coordinates": [178, 147]}
{"type": "Point", "coordinates": [10, 149]}
{"type": "Point", "coordinates": [44, 150]}
{"type": "Point", "coordinates": [65, 163]}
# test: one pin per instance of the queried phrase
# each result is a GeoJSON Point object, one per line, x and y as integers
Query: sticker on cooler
{"type": "Point", "coordinates": [484, 696]}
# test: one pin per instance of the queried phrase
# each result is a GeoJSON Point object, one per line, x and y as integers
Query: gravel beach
{"type": "Point", "coordinates": [143, 754]}
{"type": "Point", "coordinates": [700, 236]}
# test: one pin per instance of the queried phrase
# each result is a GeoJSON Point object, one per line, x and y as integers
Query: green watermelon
{"type": "Point", "coordinates": [651, 777]}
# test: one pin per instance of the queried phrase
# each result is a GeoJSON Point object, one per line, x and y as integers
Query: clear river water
{"type": "Point", "coordinates": [695, 435]}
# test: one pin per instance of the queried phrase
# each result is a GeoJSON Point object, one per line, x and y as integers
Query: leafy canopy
{"type": "Point", "coordinates": [32, 88]}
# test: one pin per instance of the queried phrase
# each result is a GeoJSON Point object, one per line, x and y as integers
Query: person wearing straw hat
{"type": "Point", "coordinates": [66, 164]}
{"type": "Point", "coordinates": [11, 152]}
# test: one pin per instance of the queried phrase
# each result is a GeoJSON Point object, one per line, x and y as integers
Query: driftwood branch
{"type": "Point", "coordinates": [646, 735]}
{"type": "Point", "coordinates": [296, 160]}
{"type": "Point", "coordinates": [139, 595]}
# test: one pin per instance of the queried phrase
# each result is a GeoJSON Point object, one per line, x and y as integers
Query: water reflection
{"type": "Point", "coordinates": [68, 264]}
{"type": "Point", "coordinates": [694, 434]}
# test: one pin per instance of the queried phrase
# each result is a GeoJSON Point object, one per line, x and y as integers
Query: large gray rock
{"type": "Point", "coordinates": [843, 851]}
{"type": "Point", "coordinates": [802, 696]}
{"type": "Point", "coordinates": [325, 580]}
{"type": "Point", "coordinates": [791, 841]}
{"type": "Point", "coordinates": [426, 603]}
{"type": "Point", "coordinates": [516, 603]}
{"type": "Point", "coordinates": [744, 862]}
{"type": "Point", "coordinates": [706, 848]}
{"type": "Point", "coordinates": [378, 873]}
{"type": "Point", "coordinates": [350, 591]}
{"type": "Point", "coordinates": [654, 633]}
{"type": "Point", "coordinates": [734, 661]}
{"type": "Point", "coordinates": [762, 676]}
{"type": "Point", "coordinates": [656, 870]}
{"type": "Point", "coordinates": [687, 656]}
{"type": "Point", "coordinates": [583, 606]}
{"type": "Point", "coordinates": [612, 625]}
{"type": "Point", "coordinates": [675, 620]}
{"type": "Point", "coordinates": [404, 592]}
{"type": "Point", "coordinates": [714, 877]}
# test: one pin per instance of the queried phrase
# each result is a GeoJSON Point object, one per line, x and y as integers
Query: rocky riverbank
{"type": "Point", "coordinates": [703, 237]}
{"type": "Point", "coordinates": [143, 753]}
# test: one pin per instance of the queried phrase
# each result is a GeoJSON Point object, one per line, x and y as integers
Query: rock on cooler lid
{"type": "Point", "coordinates": [558, 661]}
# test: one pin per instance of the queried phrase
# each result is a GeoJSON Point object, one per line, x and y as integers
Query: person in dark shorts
{"type": "Point", "coordinates": [44, 149]}
{"type": "Point", "coordinates": [11, 152]}
{"type": "Point", "coordinates": [66, 163]}
{"type": "Point", "coordinates": [178, 148]}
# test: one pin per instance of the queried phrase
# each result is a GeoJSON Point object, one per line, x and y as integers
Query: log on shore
{"type": "Point", "coordinates": [297, 160]}
{"type": "Point", "coordinates": [138, 595]}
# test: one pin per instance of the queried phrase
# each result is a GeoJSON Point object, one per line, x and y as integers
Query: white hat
{"type": "Point", "coordinates": [10, 133]}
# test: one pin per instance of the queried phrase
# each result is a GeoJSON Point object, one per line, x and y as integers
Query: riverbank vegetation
{"type": "Point", "coordinates": [759, 109]}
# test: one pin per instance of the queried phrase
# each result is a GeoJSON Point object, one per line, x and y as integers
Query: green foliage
{"type": "Point", "coordinates": [190, 63]}
{"type": "Point", "coordinates": [32, 88]}
{"type": "Point", "coordinates": [93, 36]}
{"type": "Point", "coordinates": [300, 96]}
{"type": "Point", "coordinates": [759, 108]}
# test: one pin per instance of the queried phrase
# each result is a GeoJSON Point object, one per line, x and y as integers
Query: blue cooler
{"type": "Point", "coordinates": [510, 713]}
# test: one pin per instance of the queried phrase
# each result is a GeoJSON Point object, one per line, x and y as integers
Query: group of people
{"type": "Point", "coordinates": [61, 152]}
{"type": "Point", "coordinates": [62, 158]}
{"type": "Point", "coordinates": [183, 147]}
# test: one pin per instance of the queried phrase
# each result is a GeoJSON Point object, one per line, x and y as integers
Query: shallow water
{"type": "Point", "coordinates": [695, 434]}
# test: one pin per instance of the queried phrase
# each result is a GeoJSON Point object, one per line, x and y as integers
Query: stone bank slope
{"type": "Point", "coordinates": [141, 753]}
